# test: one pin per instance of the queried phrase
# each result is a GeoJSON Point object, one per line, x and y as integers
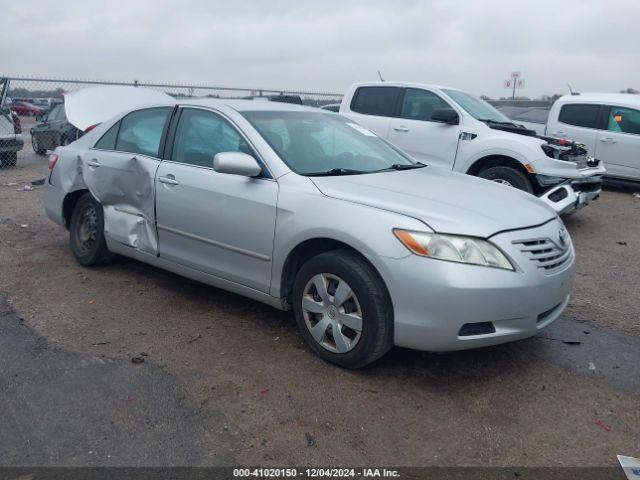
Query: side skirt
{"type": "Point", "coordinates": [197, 275]}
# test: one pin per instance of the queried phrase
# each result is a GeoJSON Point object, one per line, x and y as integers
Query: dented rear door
{"type": "Point", "coordinates": [120, 172]}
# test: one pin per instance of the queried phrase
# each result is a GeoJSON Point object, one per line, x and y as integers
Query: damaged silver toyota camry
{"type": "Point", "coordinates": [308, 211]}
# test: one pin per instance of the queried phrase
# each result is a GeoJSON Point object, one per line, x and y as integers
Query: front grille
{"type": "Point", "coordinates": [547, 255]}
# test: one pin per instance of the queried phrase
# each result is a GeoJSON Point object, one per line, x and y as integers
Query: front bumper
{"type": "Point", "coordinates": [435, 302]}
{"type": "Point", "coordinates": [13, 143]}
{"type": "Point", "coordinates": [572, 195]}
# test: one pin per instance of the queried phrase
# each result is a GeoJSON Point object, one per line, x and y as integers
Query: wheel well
{"type": "Point", "coordinates": [69, 204]}
{"type": "Point", "coordinates": [502, 161]}
{"type": "Point", "coordinates": [303, 252]}
{"type": "Point", "coordinates": [495, 161]}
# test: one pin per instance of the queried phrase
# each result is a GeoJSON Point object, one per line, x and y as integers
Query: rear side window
{"type": "Point", "coordinates": [580, 115]}
{"type": "Point", "coordinates": [62, 114]}
{"type": "Point", "coordinates": [420, 104]}
{"type": "Point", "coordinates": [376, 101]}
{"type": "Point", "coordinates": [108, 140]}
{"type": "Point", "coordinates": [141, 131]}
{"type": "Point", "coordinates": [54, 114]}
{"type": "Point", "coordinates": [624, 120]}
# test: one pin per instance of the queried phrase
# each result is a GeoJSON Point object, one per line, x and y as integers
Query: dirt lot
{"type": "Point", "coordinates": [227, 380]}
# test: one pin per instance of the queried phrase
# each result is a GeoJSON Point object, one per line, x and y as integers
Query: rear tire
{"type": "Point", "coordinates": [8, 159]}
{"type": "Point", "coordinates": [507, 176]}
{"type": "Point", "coordinates": [36, 145]}
{"type": "Point", "coordinates": [87, 233]}
{"type": "Point", "coordinates": [335, 316]}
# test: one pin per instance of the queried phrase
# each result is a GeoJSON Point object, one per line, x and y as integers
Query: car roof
{"type": "Point", "coordinates": [593, 97]}
{"type": "Point", "coordinates": [402, 84]}
{"type": "Point", "coordinates": [246, 105]}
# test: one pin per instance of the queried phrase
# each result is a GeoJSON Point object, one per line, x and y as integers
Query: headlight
{"type": "Point", "coordinates": [454, 248]}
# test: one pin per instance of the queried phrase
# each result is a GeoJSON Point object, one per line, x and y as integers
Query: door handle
{"type": "Point", "coordinates": [401, 128]}
{"type": "Point", "coordinates": [559, 133]}
{"type": "Point", "coordinates": [607, 140]}
{"type": "Point", "coordinates": [93, 163]}
{"type": "Point", "coordinates": [169, 180]}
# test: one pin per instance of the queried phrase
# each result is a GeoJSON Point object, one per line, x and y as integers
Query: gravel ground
{"type": "Point", "coordinates": [227, 380]}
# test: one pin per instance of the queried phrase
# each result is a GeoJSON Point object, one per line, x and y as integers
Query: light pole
{"type": "Point", "coordinates": [513, 82]}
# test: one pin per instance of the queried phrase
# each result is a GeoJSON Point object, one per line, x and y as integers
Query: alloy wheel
{"type": "Point", "coordinates": [332, 313]}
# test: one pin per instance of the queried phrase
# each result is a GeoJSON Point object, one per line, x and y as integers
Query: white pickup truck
{"type": "Point", "coordinates": [449, 128]}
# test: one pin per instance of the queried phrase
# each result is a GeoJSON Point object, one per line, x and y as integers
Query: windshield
{"type": "Point", "coordinates": [324, 143]}
{"type": "Point", "coordinates": [477, 108]}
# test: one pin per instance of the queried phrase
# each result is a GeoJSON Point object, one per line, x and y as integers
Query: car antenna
{"type": "Point", "coordinates": [571, 90]}
{"type": "Point", "coordinates": [380, 76]}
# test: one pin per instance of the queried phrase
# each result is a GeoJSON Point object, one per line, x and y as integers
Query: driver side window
{"type": "Point", "coordinates": [202, 134]}
{"type": "Point", "coordinates": [420, 104]}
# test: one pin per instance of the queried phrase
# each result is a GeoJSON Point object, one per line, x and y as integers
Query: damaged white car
{"type": "Point", "coordinates": [306, 210]}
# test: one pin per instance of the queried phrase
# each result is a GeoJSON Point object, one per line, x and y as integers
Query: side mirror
{"type": "Point", "coordinates": [445, 115]}
{"type": "Point", "coordinates": [236, 163]}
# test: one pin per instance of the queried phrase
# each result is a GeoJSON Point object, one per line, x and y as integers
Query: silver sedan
{"type": "Point", "coordinates": [308, 211]}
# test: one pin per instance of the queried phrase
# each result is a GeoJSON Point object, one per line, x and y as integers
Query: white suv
{"type": "Point", "coordinates": [607, 123]}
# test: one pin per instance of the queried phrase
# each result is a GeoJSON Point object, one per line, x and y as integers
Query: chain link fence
{"type": "Point", "coordinates": [33, 120]}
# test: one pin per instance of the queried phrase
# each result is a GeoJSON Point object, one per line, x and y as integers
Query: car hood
{"type": "Point", "coordinates": [447, 202]}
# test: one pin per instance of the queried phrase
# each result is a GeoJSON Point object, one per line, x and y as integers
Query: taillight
{"type": "Point", "coordinates": [88, 129]}
{"type": "Point", "coordinates": [53, 159]}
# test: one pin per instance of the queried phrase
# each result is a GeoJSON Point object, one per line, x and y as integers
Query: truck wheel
{"type": "Point", "coordinates": [343, 309]}
{"type": "Point", "coordinates": [8, 159]}
{"type": "Point", "coordinates": [507, 176]}
{"type": "Point", "coordinates": [36, 145]}
{"type": "Point", "coordinates": [87, 233]}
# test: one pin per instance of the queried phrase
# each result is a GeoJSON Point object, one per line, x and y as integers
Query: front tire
{"type": "Point", "coordinates": [507, 176]}
{"type": "Point", "coordinates": [343, 309]}
{"type": "Point", "coordinates": [87, 233]}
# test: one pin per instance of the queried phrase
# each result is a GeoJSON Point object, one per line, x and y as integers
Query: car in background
{"type": "Point", "coordinates": [26, 109]}
{"type": "Point", "coordinates": [11, 141]}
{"type": "Point", "coordinates": [368, 247]}
{"type": "Point", "coordinates": [449, 128]}
{"type": "Point", "coordinates": [533, 118]}
{"type": "Point", "coordinates": [53, 130]}
{"type": "Point", "coordinates": [47, 103]}
{"type": "Point", "coordinates": [293, 99]}
{"type": "Point", "coordinates": [332, 107]}
{"type": "Point", "coordinates": [607, 123]}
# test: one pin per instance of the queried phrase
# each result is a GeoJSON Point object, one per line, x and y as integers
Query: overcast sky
{"type": "Point", "coordinates": [325, 45]}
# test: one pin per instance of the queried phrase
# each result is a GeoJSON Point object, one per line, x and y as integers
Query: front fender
{"type": "Point", "coordinates": [304, 213]}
